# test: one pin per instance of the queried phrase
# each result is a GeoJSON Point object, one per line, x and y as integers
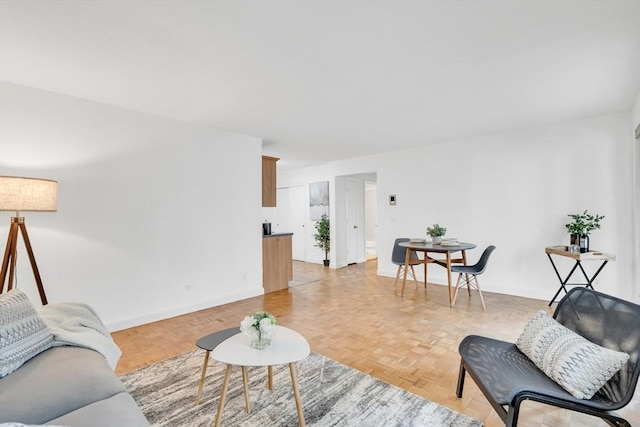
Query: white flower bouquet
{"type": "Point", "coordinates": [259, 327]}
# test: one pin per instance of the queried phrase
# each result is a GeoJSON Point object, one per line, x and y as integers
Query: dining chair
{"type": "Point", "coordinates": [398, 258]}
{"type": "Point", "coordinates": [471, 273]}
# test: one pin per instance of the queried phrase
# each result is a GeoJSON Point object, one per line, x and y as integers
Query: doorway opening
{"type": "Point", "coordinates": [371, 218]}
{"type": "Point", "coordinates": [356, 218]}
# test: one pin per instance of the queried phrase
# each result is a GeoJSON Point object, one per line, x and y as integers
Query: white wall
{"type": "Point", "coordinates": [513, 190]}
{"type": "Point", "coordinates": [146, 206]}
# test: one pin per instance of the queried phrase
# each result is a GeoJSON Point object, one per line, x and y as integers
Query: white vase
{"type": "Point", "coordinates": [436, 240]}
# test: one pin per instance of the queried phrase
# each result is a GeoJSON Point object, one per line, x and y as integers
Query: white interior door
{"type": "Point", "coordinates": [352, 223]}
{"type": "Point", "coordinates": [371, 218]}
{"type": "Point", "coordinates": [298, 219]}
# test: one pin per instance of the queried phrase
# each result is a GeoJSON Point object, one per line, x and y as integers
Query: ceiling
{"type": "Point", "coordinates": [328, 80]}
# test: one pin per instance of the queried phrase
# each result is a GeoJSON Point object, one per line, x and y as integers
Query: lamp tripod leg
{"type": "Point", "coordinates": [9, 259]}
{"type": "Point", "coordinates": [34, 266]}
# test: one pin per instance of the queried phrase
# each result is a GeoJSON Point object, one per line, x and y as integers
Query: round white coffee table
{"type": "Point", "coordinates": [287, 346]}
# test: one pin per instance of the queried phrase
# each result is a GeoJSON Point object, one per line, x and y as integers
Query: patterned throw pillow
{"type": "Point", "coordinates": [23, 334]}
{"type": "Point", "coordinates": [578, 365]}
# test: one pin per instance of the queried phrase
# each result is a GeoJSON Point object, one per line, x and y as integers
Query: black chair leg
{"type": "Point", "coordinates": [616, 422]}
{"type": "Point", "coordinates": [512, 416]}
{"type": "Point", "coordinates": [461, 375]}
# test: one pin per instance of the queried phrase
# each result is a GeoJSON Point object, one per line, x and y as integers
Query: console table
{"type": "Point", "coordinates": [604, 258]}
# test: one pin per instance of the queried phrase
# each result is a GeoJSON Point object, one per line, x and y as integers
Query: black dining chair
{"type": "Point", "coordinates": [471, 273]}
{"type": "Point", "coordinates": [398, 257]}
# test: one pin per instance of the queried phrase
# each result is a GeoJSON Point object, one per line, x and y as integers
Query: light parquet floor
{"type": "Point", "coordinates": [357, 318]}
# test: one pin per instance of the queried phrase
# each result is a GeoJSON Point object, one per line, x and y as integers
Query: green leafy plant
{"type": "Point", "coordinates": [436, 231]}
{"type": "Point", "coordinates": [583, 223]}
{"type": "Point", "coordinates": [323, 235]}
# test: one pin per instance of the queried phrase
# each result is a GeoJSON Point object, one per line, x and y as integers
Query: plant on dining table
{"type": "Point", "coordinates": [436, 231]}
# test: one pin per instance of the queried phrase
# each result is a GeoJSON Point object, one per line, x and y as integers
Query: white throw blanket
{"type": "Point", "coordinates": [78, 324]}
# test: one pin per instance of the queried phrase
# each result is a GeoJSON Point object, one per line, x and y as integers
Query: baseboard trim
{"type": "Point", "coordinates": [178, 311]}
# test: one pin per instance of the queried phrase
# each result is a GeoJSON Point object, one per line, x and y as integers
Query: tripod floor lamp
{"type": "Point", "coordinates": [20, 194]}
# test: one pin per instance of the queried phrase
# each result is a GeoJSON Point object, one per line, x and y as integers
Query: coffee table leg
{"type": "Point", "coordinates": [245, 380]}
{"type": "Point", "coordinates": [223, 395]}
{"type": "Point", "coordinates": [204, 373]}
{"type": "Point", "coordinates": [296, 393]}
{"type": "Point", "coordinates": [270, 375]}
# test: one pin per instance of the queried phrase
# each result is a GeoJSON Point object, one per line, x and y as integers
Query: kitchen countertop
{"type": "Point", "coordinates": [277, 235]}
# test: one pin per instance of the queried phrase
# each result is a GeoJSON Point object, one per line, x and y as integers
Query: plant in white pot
{"type": "Point", "coordinates": [580, 228]}
{"type": "Point", "coordinates": [323, 237]}
{"type": "Point", "coordinates": [436, 232]}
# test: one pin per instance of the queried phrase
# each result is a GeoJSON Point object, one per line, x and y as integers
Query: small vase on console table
{"type": "Point", "coordinates": [584, 243]}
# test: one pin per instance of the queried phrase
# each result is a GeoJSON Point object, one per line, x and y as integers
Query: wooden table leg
{"type": "Point", "coordinates": [449, 277]}
{"type": "Point", "coordinates": [245, 380]}
{"type": "Point", "coordinates": [204, 373]}
{"type": "Point", "coordinates": [270, 375]}
{"type": "Point", "coordinates": [407, 258]}
{"type": "Point", "coordinates": [223, 395]}
{"type": "Point", "coordinates": [425, 274]}
{"type": "Point", "coordinates": [296, 393]}
{"type": "Point", "coordinates": [464, 262]}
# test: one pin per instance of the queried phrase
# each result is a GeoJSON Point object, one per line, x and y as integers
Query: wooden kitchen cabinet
{"type": "Point", "coordinates": [277, 264]}
{"type": "Point", "coordinates": [269, 181]}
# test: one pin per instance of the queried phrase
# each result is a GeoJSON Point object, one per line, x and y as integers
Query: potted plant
{"type": "Point", "coordinates": [323, 237]}
{"type": "Point", "coordinates": [580, 228]}
{"type": "Point", "coordinates": [436, 232]}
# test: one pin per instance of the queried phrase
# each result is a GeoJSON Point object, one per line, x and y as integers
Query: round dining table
{"type": "Point", "coordinates": [427, 247]}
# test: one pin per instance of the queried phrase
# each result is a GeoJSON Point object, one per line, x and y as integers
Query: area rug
{"type": "Point", "coordinates": [332, 395]}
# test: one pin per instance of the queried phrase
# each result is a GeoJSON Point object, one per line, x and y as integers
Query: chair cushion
{"type": "Point", "coordinates": [578, 365]}
{"type": "Point", "coordinates": [23, 334]}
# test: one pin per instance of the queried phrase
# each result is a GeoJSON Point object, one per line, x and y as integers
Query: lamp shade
{"type": "Point", "coordinates": [28, 194]}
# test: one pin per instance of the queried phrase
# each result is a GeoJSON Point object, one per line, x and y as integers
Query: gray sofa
{"type": "Point", "coordinates": [68, 386]}
{"type": "Point", "coordinates": [58, 369]}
